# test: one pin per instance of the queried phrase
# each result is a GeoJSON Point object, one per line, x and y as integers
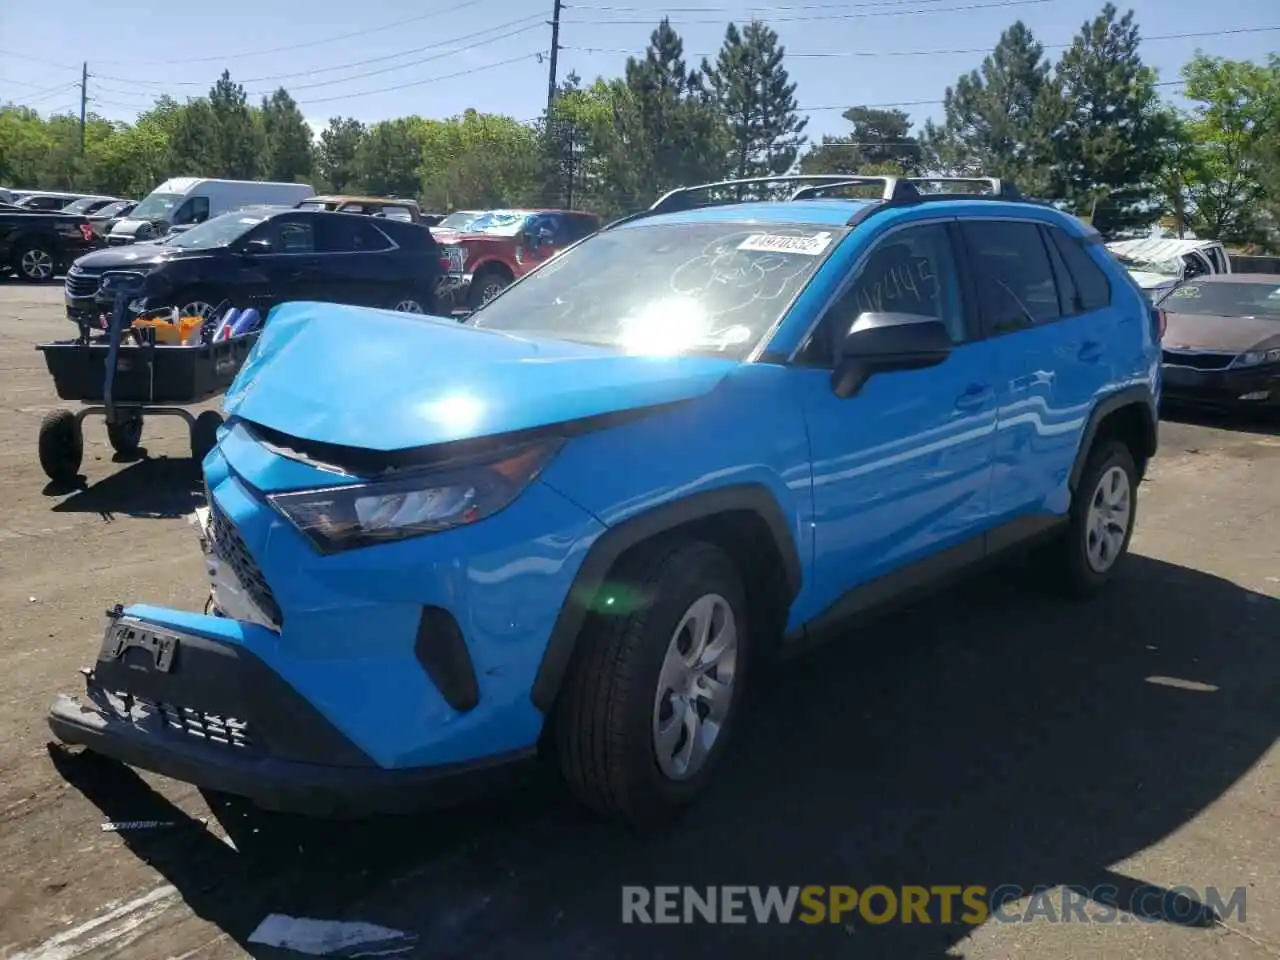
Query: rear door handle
{"type": "Point", "coordinates": [974, 397]}
{"type": "Point", "coordinates": [1091, 351]}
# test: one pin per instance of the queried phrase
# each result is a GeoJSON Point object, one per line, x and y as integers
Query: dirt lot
{"type": "Point", "coordinates": [1013, 740]}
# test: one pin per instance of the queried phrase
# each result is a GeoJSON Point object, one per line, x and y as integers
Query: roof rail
{"type": "Point", "coordinates": [898, 189]}
{"type": "Point", "coordinates": [1000, 189]}
{"type": "Point", "coordinates": [681, 198]}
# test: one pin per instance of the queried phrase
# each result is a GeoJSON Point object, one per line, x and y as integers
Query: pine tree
{"type": "Point", "coordinates": [238, 137]}
{"type": "Point", "coordinates": [288, 139]}
{"type": "Point", "coordinates": [998, 119]}
{"type": "Point", "coordinates": [1108, 151]}
{"type": "Point", "coordinates": [337, 151]}
{"type": "Point", "coordinates": [757, 98]}
{"type": "Point", "coordinates": [880, 142]}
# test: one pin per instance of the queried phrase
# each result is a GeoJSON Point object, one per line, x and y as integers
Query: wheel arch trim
{"type": "Point", "coordinates": [1135, 396]}
{"type": "Point", "coordinates": [647, 525]}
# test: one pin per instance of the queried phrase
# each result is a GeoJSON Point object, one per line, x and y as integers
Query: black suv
{"type": "Point", "coordinates": [263, 257]}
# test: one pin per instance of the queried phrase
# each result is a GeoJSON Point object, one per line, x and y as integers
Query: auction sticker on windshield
{"type": "Point", "coordinates": [811, 246]}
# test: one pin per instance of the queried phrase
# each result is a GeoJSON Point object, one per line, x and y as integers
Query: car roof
{"type": "Point", "coordinates": [356, 198]}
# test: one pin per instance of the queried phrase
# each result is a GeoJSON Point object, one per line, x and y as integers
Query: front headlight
{"type": "Point", "coordinates": [411, 504]}
{"type": "Point", "coordinates": [1254, 358]}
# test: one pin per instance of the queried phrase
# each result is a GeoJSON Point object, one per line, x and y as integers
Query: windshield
{"type": "Point", "coordinates": [217, 232]}
{"type": "Point", "coordinates": [111, 209]}
{"type": "Point", "coordinates": [158, 206]}
{"type": "Point", "coordinates": [316, 205]}
{"type": "Point", "coordinates": [499, 223]}
{"type": "Point", "coordinates": [1225, 299]}
{"type": "Point", "coordinates": [458, 220]}
{"type": "Point", "coordinates": [82, 205]}
{"type": "Point", "coordinates": [666, 288]}
{"type": "Point", "coordinates": [1167, 268]}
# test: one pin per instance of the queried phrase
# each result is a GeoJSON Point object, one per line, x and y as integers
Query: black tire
{"type": "Point", "coordinates": [204, 435]}
{"type": "Point", "coordinates": [61, 446]}
{"type": "Point", "coordinates": [1066, 565]}
{"type": "Point", "coordinates": [487, 284]}
{"type": "Point", "coordinates": [24, 250]}
{"type": "Point", "coordinates": [125, 436]}
{"type": "Point", "coordinates": [603, 722]}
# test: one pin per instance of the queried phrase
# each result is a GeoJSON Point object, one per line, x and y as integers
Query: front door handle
{"type": "Point", "coordinates": [1091, 351]}
{"type": "Point", "coordinates": [974, 397]}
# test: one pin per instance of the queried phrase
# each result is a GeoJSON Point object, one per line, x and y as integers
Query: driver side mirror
{"type": "Point", "coordinates": [886, 342]}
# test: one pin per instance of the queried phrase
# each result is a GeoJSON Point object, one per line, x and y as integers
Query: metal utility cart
{"type": "Point", "coordinates": [129, 381]}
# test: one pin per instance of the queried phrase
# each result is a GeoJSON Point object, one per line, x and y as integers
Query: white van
{"type": "Point", "coordinates": [185, 201]}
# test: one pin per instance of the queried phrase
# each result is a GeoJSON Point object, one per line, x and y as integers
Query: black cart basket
{"type": "Point", "coordinates": [123, 374]}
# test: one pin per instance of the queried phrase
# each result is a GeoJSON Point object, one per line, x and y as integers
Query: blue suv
{"type": "Point", "coordinates": [577, 523]}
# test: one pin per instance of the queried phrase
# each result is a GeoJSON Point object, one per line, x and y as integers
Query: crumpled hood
{"type": "Point", "coordinates": [379, 380]}
{"type": "Point", "coordinates": [1152, 281]}
{"type": "Point", "coordinates": [1185, 331]}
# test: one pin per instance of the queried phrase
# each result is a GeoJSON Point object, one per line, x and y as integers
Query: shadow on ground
{"type": "Point", "coordinates": [161, 488]}
{"type": "Point", "coordinates": [1265, 422]}
{"type": "Point", "coordinates": [990, 737]}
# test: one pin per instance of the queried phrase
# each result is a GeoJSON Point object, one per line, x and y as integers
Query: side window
{"type": "Point", "coordinates": [369, 239]}
{"type": "Point", "coordinates": [398, 213]}
{"type": "Point", "coordinates": [1195, 266]}
{"type": "Point", "coordinates": [353, 208]}
{"type": "Point", "coordinates": [290, 235]}
{"type": "Point", "coordinates": [1092, 289]}
{"type": "Point", "coordinates": [580, 227]}
{"type": "Point", "coordinates": [193, 210]}
{"type": "Point", "coordinates": [1219, 258]}
{"type": "Point", "coordinates": [911, 271]}
{"type": "Point", "coordinates": [1013, 273]}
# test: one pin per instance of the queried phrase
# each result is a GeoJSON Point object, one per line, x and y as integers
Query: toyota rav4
{"type": "Point", "coordinates": [583, 519]}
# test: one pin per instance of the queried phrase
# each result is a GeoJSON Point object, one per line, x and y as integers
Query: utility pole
{"type": "Point", "coordinates": [84, 99]}
{"type": "Point", "coordinates": [555, 52]}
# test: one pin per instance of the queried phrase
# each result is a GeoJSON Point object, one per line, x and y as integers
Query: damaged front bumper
{"type": "Point", "coordinates": [211, 713]}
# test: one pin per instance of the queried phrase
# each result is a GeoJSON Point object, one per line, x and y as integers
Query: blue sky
{"type": "Point", "coordinates": [439, 58]}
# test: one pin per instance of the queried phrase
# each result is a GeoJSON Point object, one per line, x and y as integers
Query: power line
{"type": "Point", "coordinates": [756, 10]}
{"type": "Point", "coordinates": [448, 10]}
{"type": "Point", "coordinates": [418, 83]}
{"type": "Point", "coordinates": [938, 52]}
{"type": "Point", "coordinates": [998, 4]}
{"type": "Point", "coordinates": [345, 66]}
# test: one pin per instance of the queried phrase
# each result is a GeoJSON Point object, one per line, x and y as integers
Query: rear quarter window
{"type": "Point", "coordinates": [1093, 289]}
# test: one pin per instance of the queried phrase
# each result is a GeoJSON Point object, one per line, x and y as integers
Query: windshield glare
{"type": "Point", "coordinates": [663, 289]}
{"type": "Point", "coordinates": [499, 223]}
{"type": "Point", "coordinates": [111, 209]}
{"type": "Point", "coordinates": [81, 205]}
{"type": "Point", "coordinates": [1225, 300]}
{"type": "Point", "coordinates": [1167, 268]}
{"type": "Point", "coordinates": [157, 206]}
{"type": "Point", "coordinates": [458, 220]}
{"type": "Point", "coordinates": [217, 232]}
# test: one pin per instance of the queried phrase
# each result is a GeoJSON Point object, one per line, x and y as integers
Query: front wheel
{"type": "Point", "coordinates": [654, 690]}
{"type": "Point", "coordinates": [486, 285]}
{"type": "Point", "coordinates": [34, 262]}
{"type": "Point", "coordinates": [61, 446]}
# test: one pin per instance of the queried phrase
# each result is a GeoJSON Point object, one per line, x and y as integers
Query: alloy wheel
{"type": "Point", "coordinates": [695, 687]}
{"type": "Point", "coordinates": [37, 264]}
{"type": "Point", "coordinates": [409, 306]}
{"type": "Point", "coordinates": [1110, 513]}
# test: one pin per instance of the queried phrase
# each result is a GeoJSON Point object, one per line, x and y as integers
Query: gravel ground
{"type": "Point", "coordinates": [1013, 740]}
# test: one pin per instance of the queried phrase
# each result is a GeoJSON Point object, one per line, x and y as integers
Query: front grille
{"type": "Point", "coordinates": [211, 728]}
{"type": "Point", "coordinates": [81, 285]}
{"type": "Point", "coordinates": [231, 550]}
{"type": "Point", "coordinates": [1197, 360]}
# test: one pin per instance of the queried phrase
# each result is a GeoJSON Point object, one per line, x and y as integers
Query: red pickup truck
{"type": "Point", "coordinates": [500, 246]}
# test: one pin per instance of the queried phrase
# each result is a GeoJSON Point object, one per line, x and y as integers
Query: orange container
{"type": "Point", "coordinates": [186, 331]}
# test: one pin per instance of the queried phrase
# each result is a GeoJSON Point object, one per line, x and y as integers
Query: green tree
{"type": "Point", "coordinates": [478, 160]}
{"type": "Point", "coordinates": [194, 146]}
{"type": "Point", "coordinates": [239, 143]}
{"type": "Point", "coordinates": [24, 146]}
{"type": "Point", "coordinates": [337, 152]}
{"type": "Point", "coordinates": [390, 156]}
{"type": "Point", "coordinates": [287, 137]}
{"type": "Point", "coordinates": [1227, 142]}
{"type": "Point", "coordinates": [880, 142]}
{"type": "Point", "coordinates": [757, 98]}
{"type": "Point", "coordinates": [997, 119]}
{"type": "Point", "coordinates": [1107, 152]}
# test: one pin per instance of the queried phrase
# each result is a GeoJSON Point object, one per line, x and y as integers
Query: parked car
{"type": "Point", "coordinates": [1222, 345]}
{"type": "Point", "coordinates": [700, 438]}
{"type": "Point", "coordinates": [264, 257]}
{"type": "Point", "coordinates": [49, 201]}
{"type": "Point", "coordinates": [183, 201]}
{"type": "Point", "coordinates": [500, 246]}
{"type": "Point", "coordinates": [395, 208]}
{"type": "Point", "coordinates": [104, 218]}
{"type": "Point", "coordinates": [88, 206]}
{"type": "Point", "coordinates": [1157, 264]}
{"type": "Point", "coordinates": [39, 245]}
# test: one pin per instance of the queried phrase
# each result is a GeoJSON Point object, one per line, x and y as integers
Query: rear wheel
{"type": "Point", "coordinates": [61, 446]}
{"type": "Point", "coordinates": [409, 302]}
{"type": "Point", "coordinates": [204, 435]}
{"type": "Point", "coordinates": [125, 436]}
{"type": "Point", "coordinates": [196, 302]}
{"type": "Point", "coordinates": [653, 691]}
{"type": "Point", "coordinates": [486, 285]}
{"type": "Point", "coordinates": [34, 261]}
